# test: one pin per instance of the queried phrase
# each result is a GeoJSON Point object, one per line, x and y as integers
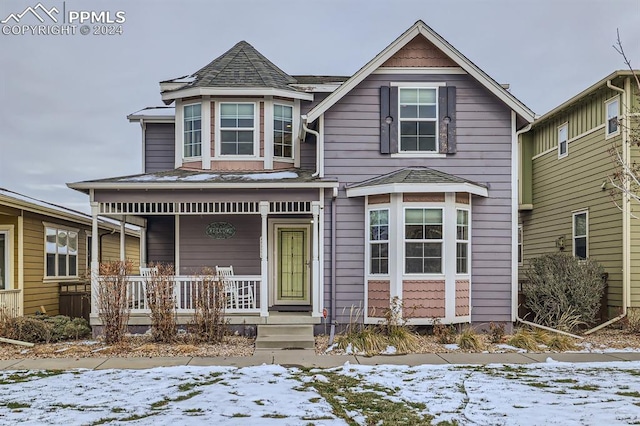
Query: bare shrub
{"type": "Point", "coordinates": [112, 298]}
{"type": "Point", "coordinates": [161, 300]}
{"type": "Point", "coordinates": [444, 334]}
{"type": "Point", "coordinates": [563, 291]}
{"type": "Point", "coordinates": [496, 332]}
{"type": "Point", "coordinates": [209, 324]}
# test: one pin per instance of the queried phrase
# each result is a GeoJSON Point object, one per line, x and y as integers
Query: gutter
{"type": "Point", "coordinates": [626, 226]}
{"type": "Point", "coordinates": [332, 316]}
{"type": "Point", "coordinates": [317, 135]}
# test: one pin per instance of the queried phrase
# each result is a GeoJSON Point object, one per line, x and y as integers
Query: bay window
{"type": "Point", "coordinates": [283, 131]}
{"type": "Point", "coordinates": [192, 130]}
{"type": "Point", "coordinates": [462, 242]}
{"type": "Point", "coordinates": [237, 128]}
{"type": "Point", "coordinates": [379, 241]}
{"type": "Point", "coordinates": [423, 240]}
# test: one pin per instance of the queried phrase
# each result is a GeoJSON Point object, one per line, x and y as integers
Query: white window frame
{"type": "Point", "coordinates": [565, 127]}
{"type": "Point", "coordinates": [57, 277]}
{"type": "Point", "coordinates": [442, 240]}
{"type": "Point", "coordinates": [585, 236]}
{"type": "Point", "coordinates": [370, 242]}
{"type": "Point", "coordinates": [466, 241]}
{"type": "Point", "coordinates": [5, 278]}
{"type": "Point", "coordinates": [616, 100]}
{"type": "Point", "coordinates": [194, 157]}
{"type": "Point", "coordinates": [520, 245]}
{"type": "Point", "coordinates": [255, 129]}
{"type": "Point", "coordinates": [293, 137]}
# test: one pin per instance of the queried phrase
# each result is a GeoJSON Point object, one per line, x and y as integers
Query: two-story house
{"type": "Point", "coordinates": [568, 202]}
{"type": "Point", "coordinates": [398, 183]}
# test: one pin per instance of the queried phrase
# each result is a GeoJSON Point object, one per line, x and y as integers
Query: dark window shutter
{"type": "Point", "coordinates": [384, 125]}
{"type": "Point", "coordinates": [393, 113]}
{"type": "Point", "coordinates": [447, 117]}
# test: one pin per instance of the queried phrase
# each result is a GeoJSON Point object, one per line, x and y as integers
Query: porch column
{"type": "Point", "coordinates": [123, 239]}
{"type": "Point", "coordinates": [264, 261]}
{"type": "Point", "coordinates": [143, 246]}
{"type": "Point", "coordinates": [176, 244]}
{"type": "Point", "coordinates": [95, 263]}
{"type": "Point", "coordinates": [315, 264]}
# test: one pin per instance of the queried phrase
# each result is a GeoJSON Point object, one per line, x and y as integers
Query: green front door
{"type": "Point", "coordinates": [292, 266]}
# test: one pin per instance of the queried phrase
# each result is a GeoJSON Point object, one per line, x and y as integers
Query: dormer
{"type": "Point", "coordinates": [239, 112]}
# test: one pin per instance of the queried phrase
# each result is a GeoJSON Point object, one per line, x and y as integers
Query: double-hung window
{"type": "Point", "coordinates": [563, 140]}
{"type": "Point", "coordinates": [423, 240]}
{"type": "Point", "coordinates": [4, 260]}
{"type": "Point", "coordinates": [612, 125]}
{"type": "Point", "coordinates": [61, 250]}
{"type": "Point", "coordinates": [379, 241]}
{"type": "Point", "coordinates": [418, 119]}
{"type": "Point", "coordinates": [192, 130]}
{"type": "Point", "coordinates": [580, 235]}
{"type": "Point", "coordinates": [462, 241]}
{"type": "Point", "coordinates": [283, 131]}
{"type": "Point", "coordinates": [237, 128]}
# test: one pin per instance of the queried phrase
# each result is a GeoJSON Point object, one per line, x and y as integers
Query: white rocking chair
{"type": "Point", "coordinates": [225, 275]}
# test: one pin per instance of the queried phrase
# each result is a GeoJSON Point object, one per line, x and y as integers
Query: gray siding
{"type": "Point", "coordinates": [198, 251]}
{"type": "Point", "coordinates": [484, 156]}
{"type": "Point", "coordinates": [308, 149]}
{"type": "Point", "coordinates": [160, 239]}
{"type": "Point", "coordinates": [159, 147]}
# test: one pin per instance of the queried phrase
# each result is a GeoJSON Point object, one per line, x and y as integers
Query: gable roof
{"type": "Point", "coordinates": [240, 67]}
{"type": "Point", "coordinates": [415, 179]}
{"type": "Point", "coordinates": [420, 28]}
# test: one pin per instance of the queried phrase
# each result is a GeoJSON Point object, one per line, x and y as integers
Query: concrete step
{"type": "Point", "coordinates": [285, 337]}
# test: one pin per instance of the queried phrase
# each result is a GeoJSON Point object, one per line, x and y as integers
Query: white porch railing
{"type": "Point", "coordinates": [240, 290]}
{"type": "Point", "coordinates": [10, 302]}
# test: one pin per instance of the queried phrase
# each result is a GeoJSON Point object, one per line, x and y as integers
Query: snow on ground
{"type": "Point", "coordinates": [550, 393]}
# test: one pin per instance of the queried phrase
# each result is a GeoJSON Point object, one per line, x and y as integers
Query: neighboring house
{"type": "Point", "coordinates": [332, 193]}
{"type": "Point", "coordinates": [565, 199]}
{"type": "Point", "coordinates": [43, 251]}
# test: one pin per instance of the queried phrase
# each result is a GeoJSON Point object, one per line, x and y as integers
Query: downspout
{"type": "Point", "coordinates": [332, 317]}
{"type": "Point", "coordinates": [626, 232]}
{"type": "Point", "coordinates": [514, 290]}
{"type": "Point", "coordinates": [317, 135]}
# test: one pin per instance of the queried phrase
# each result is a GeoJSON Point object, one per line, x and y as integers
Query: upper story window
{"type": "Point", "coordinates": [283, 131]}
{"type": "Point", "coordinates": [580, 234]}
{"type": "Point", "coordinates": [418, 119]}
{"type": "Point", "coordinates": [192, 130]}
{"type": "Point", "coordinates": [61, 250]}
{"type": "Point", "coordinates": [237, 128]}
{"type": "Point", "coordinates": [613, 111]}
{"type": "Point", "coordinates": [563, 140]}
{"type": "Point", "coordinates": [379, 241]}
{"type": "Point", "coordinates": [423, 241]}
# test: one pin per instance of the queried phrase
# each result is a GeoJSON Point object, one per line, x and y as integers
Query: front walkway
{"type": "Point", "coordinates": [308, 358]}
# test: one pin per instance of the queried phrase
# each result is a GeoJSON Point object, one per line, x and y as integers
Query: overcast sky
{"type": "Point", "coordinates": [64, 98]}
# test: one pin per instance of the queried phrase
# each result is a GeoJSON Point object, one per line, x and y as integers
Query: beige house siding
{"type": "Point", "coordinates": [562, 186]}
{"type": "Point", "coordinates": [8, 217]}
{"type": "Point", "coordinates": [110, 250]}
{"type": "Point", "coordinates": [634, 223]}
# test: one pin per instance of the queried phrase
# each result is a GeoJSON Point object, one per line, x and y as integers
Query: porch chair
{"type": "Point", "coordinates": [139, 296]}
{"type": "Point", "coordinates": [225, 276]}
{"type": "Point", "coordinates": [149, 272]}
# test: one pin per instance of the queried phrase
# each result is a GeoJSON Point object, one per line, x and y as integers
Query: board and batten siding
{"type": "Point", "coordinates": [635, 221]}
{"type": "Point", "coordinates": [570, 184]}
{"type": "Point", "coordinates": [198, 251]}
{"type": "Point", "coordinates": [352, 154]}
{"type": "Point", "coordinates": [159, 147]}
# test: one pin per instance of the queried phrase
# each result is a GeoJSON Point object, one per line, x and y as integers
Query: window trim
{"type": "Point", "coordinates": [57, 278]}
{"type": "Point", "coordinates": [573, 232]}
{"type": "Point", "coordinates": [7, 274]}
{"type": "Point", "coordinates": [467, 241]}
{"type": "Point", "coordinates": [606, 117]}
{"type": "Point", "coordinates": [435, 120]}
{"type": "Point", "coordinates": [255, 129]}
{"type": "Point", "coordinates": [563, 126]}
{"type": "Point", "coordinates": [442, 240]}
{"type": "Point", "coordinates": [370, 242]}
{"type": "Point", "coordinates": [273, 131]}
{"type": "Point", "coordinates": [195, 157]}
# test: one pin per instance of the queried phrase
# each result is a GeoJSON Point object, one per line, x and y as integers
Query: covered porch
{"type": "Point", "coordinates": [271, 237]}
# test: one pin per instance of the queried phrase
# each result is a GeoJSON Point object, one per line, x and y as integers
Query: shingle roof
{"type": "Point", "coordinates": [320, 79]}
{"type": "Point", "coordinates": [413, 175]}
{"type": "Point", "coordinates": [241, 66]}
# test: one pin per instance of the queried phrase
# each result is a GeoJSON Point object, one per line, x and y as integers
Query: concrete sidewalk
{"type": "Point", "coordinates": [308, 358]}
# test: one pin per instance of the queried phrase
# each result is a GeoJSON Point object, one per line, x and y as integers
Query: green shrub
{"type": "Point", "coordinates": [563, 292]}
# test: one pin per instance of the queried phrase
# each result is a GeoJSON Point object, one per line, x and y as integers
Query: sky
{"type": "Point", "coordinates": [64, 98]}
{"type": "Point", "coordinates": [539, 394]}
